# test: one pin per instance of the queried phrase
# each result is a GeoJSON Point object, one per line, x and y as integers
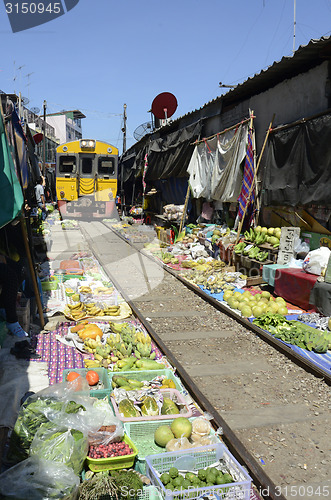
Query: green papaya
{"type": "Point", "coordinates": [127, 408]}
{"type": "Point", "coordinates": [169, 407]}
{"type": "Point", "coordinates": [149, 406]}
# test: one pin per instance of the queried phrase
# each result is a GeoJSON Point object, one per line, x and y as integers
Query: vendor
{"type": "Point", "coordinates": [206, 212]}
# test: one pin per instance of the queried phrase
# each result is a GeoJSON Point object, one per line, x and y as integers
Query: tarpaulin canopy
{"type": "Point", "coordinates": [169, 156]}
{"type": "Point", "coordinates": [298, 165]}
{"type": "Point", "coordinates": [10, 189]}
{"type": "Point", "coordinates": [214, 168]}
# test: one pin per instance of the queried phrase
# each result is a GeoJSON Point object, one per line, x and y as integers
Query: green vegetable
{"type": "Point", "coordinates": [128, 484]}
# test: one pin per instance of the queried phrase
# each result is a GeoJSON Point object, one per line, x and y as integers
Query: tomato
{"type": "Point", "coordinates": [92, 377]}
{"type": "Point", "coordinates": [72, 376]}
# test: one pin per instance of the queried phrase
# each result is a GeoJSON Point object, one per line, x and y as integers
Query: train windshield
{"type": "Point", "coordinates": [67, 164]}
{"type": "Point", "coordinates": [106, 166]}
{"type": "Point", "coordinates": [87, 165]}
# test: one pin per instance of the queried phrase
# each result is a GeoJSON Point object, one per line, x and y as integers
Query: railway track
{"type": "Point", "coordinates": [275, 414]}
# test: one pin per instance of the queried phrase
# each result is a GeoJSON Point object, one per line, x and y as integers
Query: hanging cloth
{"type": "Point", "coordinates": [10, 189]}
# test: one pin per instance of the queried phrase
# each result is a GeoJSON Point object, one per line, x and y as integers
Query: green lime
{"type": "Point", "coordinates": [165, 478]}
{"type": "Point", "coordinates": [202, 474]}
{"type": "Point", "coordinates": [173, 472]}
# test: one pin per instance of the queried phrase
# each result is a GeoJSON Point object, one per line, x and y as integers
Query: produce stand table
{"type": "Point", "coordinates": [269, 272]}
{"type": "Point", "coordinates": [295, 285]}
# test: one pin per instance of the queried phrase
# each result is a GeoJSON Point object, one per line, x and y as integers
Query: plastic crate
{"type": "Point", "coordinates": [173, 394]}
{"type": "Point", "coordinates": [142, 433]}
{"type": "Point", "coordinates": [149, 375]}
{"type": "Point", "coordinates": [113, 463]}
{"type": "Point", "coordinates": [200, 458]}
{"type": "Point", "coordinates": [103, 376]}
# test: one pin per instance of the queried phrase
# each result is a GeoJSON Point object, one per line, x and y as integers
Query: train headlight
{"type": "Point", "coordinates": [87, 144]}
{"type": "Point", "coordinates": [62, 194]}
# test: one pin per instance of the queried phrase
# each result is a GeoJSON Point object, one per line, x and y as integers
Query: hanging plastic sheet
{"type": "Point", "coordinates": [215, 166]}
{"type": "Point", "coordinates": [10, 189]}
{"type": "Point", "coordinates": [298, 165]}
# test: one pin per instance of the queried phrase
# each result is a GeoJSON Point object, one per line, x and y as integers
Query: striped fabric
{"type": "Point", "coordinates": [248, 179]}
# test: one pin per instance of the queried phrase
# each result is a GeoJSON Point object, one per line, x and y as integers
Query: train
{"type": "Point", "coordinates": [86, 178]}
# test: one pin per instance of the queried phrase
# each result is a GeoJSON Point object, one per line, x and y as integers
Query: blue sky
{"type": "Point", "coordinates": [105, 53]}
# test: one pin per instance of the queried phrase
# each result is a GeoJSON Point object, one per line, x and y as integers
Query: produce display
{"type": "Point", "coordinates": [111, 484]}
{"type": "Point", "coordinates": [175, 481]}
{"type": "Point", "coordinates": [255, 304]}
{"type": "Point", "coordinates": [294, 332]}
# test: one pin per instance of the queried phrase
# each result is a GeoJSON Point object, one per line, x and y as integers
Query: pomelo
{"type": "Point", "coordinates": [227, 294]}
{"type": "Point", "coordinates": [237, 294]}
{"type": "Point", "coordinates": [257, 311]}
{"type": "Point", "coordinates": [181, 427]}
{"type": "Point", "coordinates": [280, 300]}
{"type": "Point", "coordinates": [246, 311]}
{"type": "Point", "coordinates": [283, 310]}
{"type": "Point", "coordinates": [266, 294]}
{"type": "Point", "coordinates": [162, 435]}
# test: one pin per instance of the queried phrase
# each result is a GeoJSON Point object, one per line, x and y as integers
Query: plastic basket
{"type": "Point", "coordinates": [142, 433]}
{"type": "Point", "coordinates": [112, 463]}
{"type": "Point", "coordinates": [50, 284]}
{"type": "Point", "coordinates": [173, 394]}
{"type": "Point", "coordinates": [199, 458]}
{"type": "Point", "coordinates": [103, 376]}
{"type": "Point", "coordinates": [149, 375]}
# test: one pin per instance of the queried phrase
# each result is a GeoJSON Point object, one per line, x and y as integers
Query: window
{"type": "Point", "coordinates": [87, 164]}
{"type": "Point", "coordinates": [67, 164]}
{"type": "Point", "coordinates": [106, 166]}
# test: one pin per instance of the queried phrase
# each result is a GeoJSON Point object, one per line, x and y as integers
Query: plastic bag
{"type": "Point", "coordinates": [316, 261]}
{"type": "Point", "coordinates": [301, 248]}
{"type": "Point", "coordinates": [60, 445]}
{"type": "Point", "coordinates": [112, 432]}
{"type": "Point", "coordinates": [58, 403]}
{"type": "Point", "coordinates": [36, 479]}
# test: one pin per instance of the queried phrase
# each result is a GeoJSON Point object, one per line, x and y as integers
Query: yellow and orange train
{"type": "Point", "coordinates": [86, 178]}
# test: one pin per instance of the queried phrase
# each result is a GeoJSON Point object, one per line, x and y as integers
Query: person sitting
{"type": "Point", "coordinates": [8, 298]}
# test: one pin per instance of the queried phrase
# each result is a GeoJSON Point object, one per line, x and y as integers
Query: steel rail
{"type": "Point", "coordinates": [266, 336]}
{"type": "Point", "coordinates": [266, 488]}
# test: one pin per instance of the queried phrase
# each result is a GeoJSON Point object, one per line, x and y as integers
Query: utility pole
{"type": "Point", "coordinates": [124, 149]}
{"type": "Point", "coordinates": [124, 129]}
{"type": "Point", "coordinates": [44, 139]}
{"type": "Point", "coordinates": [294, 25]}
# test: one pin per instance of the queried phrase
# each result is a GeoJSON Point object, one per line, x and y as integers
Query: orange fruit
{"type": "Point", "coordinates": [92, 377]}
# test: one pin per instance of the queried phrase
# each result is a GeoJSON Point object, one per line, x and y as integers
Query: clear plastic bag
{"type": "Point", "coordinates": [60, 445]}
{"type": "Point", "coordinates": [316, 261]}
{"type": "Point", "coordinates": [112, 432]}
{"type": "Point", "coordinates": [61, 405]}
{"type": "Point", "coordinates": [37, 479]}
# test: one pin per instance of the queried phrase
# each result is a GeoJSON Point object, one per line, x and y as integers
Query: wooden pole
{"type": "Point", "coordinates": [185, 208]}
{"type": "Point", "coordinates": [32, 271]}
{"type": "Point", "coordinates": [255, 175]}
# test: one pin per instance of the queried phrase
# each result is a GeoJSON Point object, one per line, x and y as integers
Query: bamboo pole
{"type": "Point", "coordinates": [32, 271]}
{"type": "Point", "coordinates": [185, 208]}
{"type": "Point", "coordinates": [220, 133]}
{"type": "Point", "coordinates": [255, 175]}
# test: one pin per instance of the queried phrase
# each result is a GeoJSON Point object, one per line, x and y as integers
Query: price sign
{"type": "Point", "coordinates": [289, 236]}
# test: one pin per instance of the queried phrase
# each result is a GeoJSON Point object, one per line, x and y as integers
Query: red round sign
{"type": "Point", "coordinates": [38, 138]}
{"type": "Point", "coordinates": [164, 105]}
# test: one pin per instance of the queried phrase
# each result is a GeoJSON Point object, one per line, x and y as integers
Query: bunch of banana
{"type": "Point", "coordinates": [144, 351]}
{"type": "Point", "coordinates": [122, 351]}
{"type": "Point", "coordinates": [103, 290]}
{"type": "Point", "coordinates": [141, 337]}
{"type": "Point", "coordinates": [92, 363]}
{"type": "Point", "coordinates": [112, 340]}
{"type": "Point", "coordinates": [77, 310]}
{"type": "Point", "coordinates": [118, 327]}
{"type": "Point", "coordinates": [79, 306]}
{"type": "Point", "coordinates": [85, 289]}
{"type": "Point", "coordinates": [93, 310]}
{"type": "Point", "coordinates": [111, 310]}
